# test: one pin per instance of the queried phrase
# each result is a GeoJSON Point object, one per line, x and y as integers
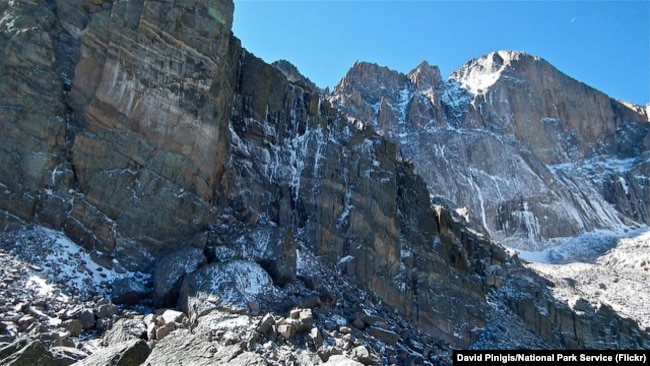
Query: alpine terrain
{"type": "Point", "coordinates": [166, 197]}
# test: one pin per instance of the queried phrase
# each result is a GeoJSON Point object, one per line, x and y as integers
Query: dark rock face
{"type": "Point", "coordinates": [136, 120]}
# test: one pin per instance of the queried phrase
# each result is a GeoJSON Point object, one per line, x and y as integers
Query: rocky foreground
{"type": "Point", "coordinates": [59, 307]}
{"type": "Point", "coordinates": [59, 310]}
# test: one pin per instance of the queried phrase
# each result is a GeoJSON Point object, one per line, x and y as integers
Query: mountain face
{"type": "Point", "coordinates": [150, 137]}
{"type": "Point", "coordinates": [532, 156]}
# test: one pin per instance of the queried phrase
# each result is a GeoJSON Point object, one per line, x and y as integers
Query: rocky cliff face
{"type": "Point", "coordinates": [135, 143]}
{"type": "Point", "coordinates": [149, 136]}
{"type": "Point", "coordinates": [530, 154]}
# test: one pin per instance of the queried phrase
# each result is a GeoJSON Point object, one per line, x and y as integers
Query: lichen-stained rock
{"type": "Point", "coordinates": [151, 92]}
{"type": "Point", "coordinates": [228, 286]}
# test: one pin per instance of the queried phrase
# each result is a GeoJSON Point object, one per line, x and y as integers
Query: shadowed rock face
{"type": "Point", "coordinates": [132, 126]}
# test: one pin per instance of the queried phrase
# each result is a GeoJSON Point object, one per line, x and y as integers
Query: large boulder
{"type": "Point", "coordinates": [29, 352]}
{"type": "Point", "coordinates": [229, 287]}
{"type": "Point", "coordinates": [133, 352]}
{"type": "Point", "coordinates": [128, 291]}
{"type": "Point", "coordinates": [183, 347]}
{"type": "Point", "coordinates": [169, 274]}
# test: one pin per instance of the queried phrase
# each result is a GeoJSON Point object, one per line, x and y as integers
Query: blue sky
{"type": "Point", "coordinates": [605, 44]}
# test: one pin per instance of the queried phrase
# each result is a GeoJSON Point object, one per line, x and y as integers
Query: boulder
{"type": "Point", "coordinates": [163, 331]}
{"type": "Point", "coordinates": [361, 354]}
{"type": "Point", "coordinates": [282, 268]}
{"type": "Point", "coordinates": [288, 331]}
{"type": "Point", "coordinates": [340, 360]}
{"type": "Point", "coordinates": [28, 352]}
{"type": "Point", "coordinates": [266, 323]}
{"type": "Point", "coordinates": [133, 352]}
{"type": "Point", "coordinates": [105, 311]}
{"type": "Point", "coordinates": [387, 336]}
{"type": "Point", "coordinates": [169, 274]}
{"type": "Point", "coordinates": [170, 316]}
{"type": "Point", "coordinates": [124, 330]}
{"type": "Point", "coordinates": [73, 326]}
{"type": "Point", "coordinates": [128, 291]}
{"type": "Point", "coordinates": [197, 351]}
{"type": "Point", "coordinates": [226, 286]}
{"type": "Point", "coordinates": [67, 355]}
{"type": "Point", "coordinates": [87, 319]}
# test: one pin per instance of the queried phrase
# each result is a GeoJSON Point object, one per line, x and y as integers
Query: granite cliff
{"type": "Point", "coordinates": [196, 176]}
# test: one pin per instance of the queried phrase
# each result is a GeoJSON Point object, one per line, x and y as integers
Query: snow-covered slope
{"type": "Point", "coordinates": [618, 276]}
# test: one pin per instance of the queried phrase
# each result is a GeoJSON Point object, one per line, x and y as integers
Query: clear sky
{"type": "Point", "coordinates": [605, 44]}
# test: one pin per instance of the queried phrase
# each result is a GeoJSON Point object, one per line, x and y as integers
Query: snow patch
{"type": "Point", "coordinates": [62, 267]}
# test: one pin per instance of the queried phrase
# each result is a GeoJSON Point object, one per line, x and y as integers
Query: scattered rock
{"type": "Point", "coordinates": [387, 336]}
{"type": "Point", "coordinates": [362, 355]}
{"type": "Point", "coordinates": [87, 319]}
{"type": "Point", "coordinates": [106, 311]}
{"type": "Point", "coordinates": [266, 323]}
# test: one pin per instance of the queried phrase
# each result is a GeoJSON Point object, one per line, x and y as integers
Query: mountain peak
{"type": "Point", "coordinates": [478, 75]}
{"type": "Point", "coordinates": [294, 75]}
{"type": "Point", "coordinates": [425, 76]}
{"type": "Point", "coordinates": [372, 80]}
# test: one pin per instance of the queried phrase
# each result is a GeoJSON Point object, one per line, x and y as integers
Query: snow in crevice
{"type": "Point", "coordinates": [347, 204]}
